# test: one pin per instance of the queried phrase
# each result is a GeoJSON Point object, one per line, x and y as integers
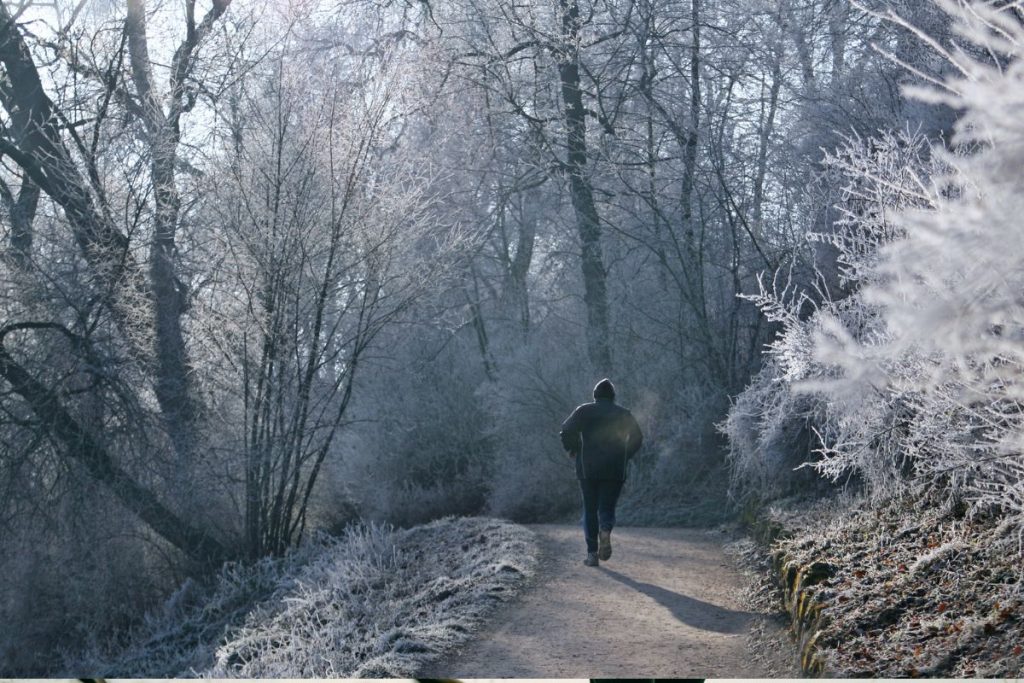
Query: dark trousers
{"type": "Point", "coordinates": [599, 499]}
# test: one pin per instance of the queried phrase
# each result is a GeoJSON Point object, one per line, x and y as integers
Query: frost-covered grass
{"type": "Point", "coordinates": [374, 602]}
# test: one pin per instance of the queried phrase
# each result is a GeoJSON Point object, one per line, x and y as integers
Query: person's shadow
{"type": "Point", "coordinates": [690, 611]}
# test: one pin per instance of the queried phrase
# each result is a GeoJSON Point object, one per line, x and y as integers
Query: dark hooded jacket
{"type": "Point", "coordinates": [603, 436]}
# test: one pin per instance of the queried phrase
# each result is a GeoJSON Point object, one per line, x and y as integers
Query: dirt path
{"type": "Point", "coordinates": [666, 605]}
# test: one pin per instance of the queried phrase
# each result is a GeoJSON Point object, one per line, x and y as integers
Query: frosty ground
{"type": "Point", "coordinates": [912, 589]}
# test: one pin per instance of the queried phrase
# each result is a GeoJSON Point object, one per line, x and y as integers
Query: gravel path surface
{"type": "Point", "coordinates": [666, 605]}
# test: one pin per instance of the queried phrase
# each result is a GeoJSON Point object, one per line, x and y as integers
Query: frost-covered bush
{"type": "Point", "coordinates": [769, 429]}
{"type": "Point", "coordinates": [952, 291]}
{"type": "Point", "coordinates": [181, 635]}
{"type": "Point", "coordinates": [784, 419]}
{"type": "Point", "coordinates": [919, 370]}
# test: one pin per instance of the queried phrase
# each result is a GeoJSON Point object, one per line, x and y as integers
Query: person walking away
{"type": "Point", "coordinates": [602, 438]}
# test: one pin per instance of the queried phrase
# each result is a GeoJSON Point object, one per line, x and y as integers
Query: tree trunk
{"type": "Point", "coordinates": [519, 268]}
{"type": "Point", "coordinates": [767, 125]}
{"type": "Point", "coordinates": [803, 53]}
{"type": "Point", "coordinates": [174, 376]}
{"type": "Point", "coordinates": [690, 154]}
{"type": "Point", "coordinates": [838, 22]}
{"type": "Point", "coordinates": [22, 213]}
{"type": "Point", "coordinates": [595, 290]}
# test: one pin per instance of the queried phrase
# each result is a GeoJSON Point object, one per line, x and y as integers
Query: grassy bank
{"type": "Point", "coordinates": [375, 601]}
{"type": "Point", "coordinates": [908, 589]}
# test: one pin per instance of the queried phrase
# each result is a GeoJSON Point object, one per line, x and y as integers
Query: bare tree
{"type": "Point", "coordinates": [34, 140]}
{"type": "Point", "coordinates": [326, 230]}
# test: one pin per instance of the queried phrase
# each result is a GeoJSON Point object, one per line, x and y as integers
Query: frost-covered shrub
{"type": "Point", "coordinates": [769, 429]}
{"type": "Point", "coordinates": [919, 370]}
{"type": "Point", "coordinates": [951, 290]}
{"type": "Point", "coordinates": [784, 419]}
{"type": "Point", "coordinates": [181, 636]}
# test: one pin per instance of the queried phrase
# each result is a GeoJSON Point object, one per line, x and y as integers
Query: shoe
{"type": "Point", "coordinates": [604, 545]}
{"type": "Point", "coordinates": [591, 560]}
